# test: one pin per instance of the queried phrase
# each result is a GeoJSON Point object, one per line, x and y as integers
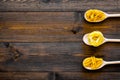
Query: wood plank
{"type": "Point", "coordinates": [58, 5]}
{"type": "Point", "coordinates": [26, 76]}
{"type": "Point", "coordinates": [36, 25]}
{"type": "Point", "coordinates": [72, 48]}
{"type": "Point", "coordinates": [51, 27]}
{"type": "Point", "coordinates": [55, 56]}
{"type": "Point", "coordinates": [92, 75]}
{"type": "Point", "coordinates": [41, 17]}
{"type": "Point", "coordinates": [59, 75]}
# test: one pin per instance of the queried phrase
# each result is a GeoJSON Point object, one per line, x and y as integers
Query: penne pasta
{"type": "Point", "coordinates": [94, 15]}
{"type": "Point", "coordinates": [92, 62]}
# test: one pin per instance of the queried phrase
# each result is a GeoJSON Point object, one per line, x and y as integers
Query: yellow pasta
{"type": "Point", "coordinates": [92, 62]}
{"type": "Point", "coordinates": [94, 15]}
{"type": "Point", "coordinates": [95, 38]}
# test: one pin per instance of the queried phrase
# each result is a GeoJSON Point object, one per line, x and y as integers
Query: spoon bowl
{"type": "Point", "coordinates": [106, 16]}
{"type": "Point", "coordinates": [103, 64]}
{"type": "Point", "coordinates": [85, 40]}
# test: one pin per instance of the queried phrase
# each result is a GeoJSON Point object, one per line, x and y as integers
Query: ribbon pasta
{"type": "Point", "coordinates": [95, 38]}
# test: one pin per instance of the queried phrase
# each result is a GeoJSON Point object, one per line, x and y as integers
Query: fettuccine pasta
{"type": "Point", "coordinates": [95, 38]}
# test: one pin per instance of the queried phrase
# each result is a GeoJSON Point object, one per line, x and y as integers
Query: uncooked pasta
{"type": "Point", "coordinates": [95, 38]}
{"type": "Point", "coordinates": [92, 62]}
{"type": "Point", "coordinates": [94, 15]}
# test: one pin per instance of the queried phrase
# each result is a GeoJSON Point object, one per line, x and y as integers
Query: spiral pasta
{"type": "Point", "coordinates": [92, 62]}
{"type": "Point", "coordinates": [95, 38]}
{"type": "Point", "coordinates": [94, 15]}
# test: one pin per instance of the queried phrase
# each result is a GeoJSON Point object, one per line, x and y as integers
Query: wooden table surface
{"type": "Point", "coordinates": [42, 40]}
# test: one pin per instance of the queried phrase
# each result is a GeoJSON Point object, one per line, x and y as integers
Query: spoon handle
{"type": "Point", "coordinates": [113, 62]}
{"type": "Point", "coordinates": [113, 15]}
{"type": "Point", "coordinates": [113, 40]}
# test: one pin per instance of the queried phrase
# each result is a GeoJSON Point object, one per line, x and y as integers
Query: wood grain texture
{"type": "Point", "coordinates": [51, 27]}
{"type": "Point", "coordinates": [88, 76]}
{"type": "Point", "coordinates": [58, 75]}
{"type": "Point", "coordinates": [26, 76]}
{"type": "Point", "coordinates": [54, 56]}
{"type": "Point", "coordinates": [57, 5]}
{"type": "Point", "coordinates": [42, 40]}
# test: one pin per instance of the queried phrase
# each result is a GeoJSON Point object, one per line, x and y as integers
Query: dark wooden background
{"type": "Point", "coordinates": [42, 40]}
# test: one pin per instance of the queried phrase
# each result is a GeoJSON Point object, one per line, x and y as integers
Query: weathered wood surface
{"type": "Point", "coordinates": [48, 45]}
{"type": "Point", "coordinates": [54, 56]}
{"type": "Point", "coordinates": [58, 5]}
{"type": "Point", "coordinates": [26, 76]}
{"type": "Point", "coordinates": [54, 44]}
{"type": "Point", "coordinates": [58, 76]}
{"type": "Point", "coordinates": [87, 76]}
{"type": "Point", "coordinates": [51, 27]}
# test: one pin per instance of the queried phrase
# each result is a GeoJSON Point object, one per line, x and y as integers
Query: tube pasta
{"type": "Point", "coordinates": [94, 15]}
{"type": "Point", "coordinates": [92, 62]}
